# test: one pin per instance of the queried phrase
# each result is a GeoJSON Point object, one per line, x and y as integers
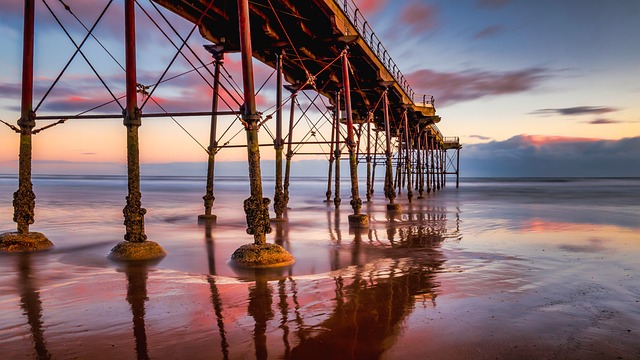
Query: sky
{"type": "Point", "coordinates": [531, 88]}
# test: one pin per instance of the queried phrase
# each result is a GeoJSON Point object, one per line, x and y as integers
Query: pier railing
{"type": "Point", "coordinates": [424, 100]}
{"type": "Point", "coordinates": [358, 21]}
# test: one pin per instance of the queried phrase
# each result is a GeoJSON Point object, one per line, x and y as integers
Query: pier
{"type": "Point", "coordinates": [323, 51]}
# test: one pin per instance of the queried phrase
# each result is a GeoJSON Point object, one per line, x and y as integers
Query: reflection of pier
{"type": "Point", "coordinates": [32, 306]}
{"type": "Point", "coordinates": [370, 296]}
{"type": "Point", "coordinates": [346, 94]}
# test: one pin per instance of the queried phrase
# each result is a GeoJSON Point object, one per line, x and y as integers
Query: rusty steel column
{"type": "Point", "coordinates": [331, 158]}
{"type": "Point", "coordinates": [369, 118]}
{"type": "Point", "coordinates": [375, 162]}
{"type": "Point", "coordinates": [356, 219]}
{"type": "Point", "coordinates": [433, 165]}
{"type": "Point", "coordinates": [279, 204]}
{"type": "Point", "coordinates": [419, 170]}
{"type": "Point", "coordinates": [407, 139]}
{"type": "Point", "coordinates": [213, 143]}
{"type": "Point", "coordinates": [426, 161]}
{"type": "Point", "coordinates": [338, 152]}
{"type": "Point", "coordinates": [438, 167]}
{"type": "Point", "coordinates": [399, 163]}
{"type": "Point", "coordinates": [458, 166]}
{"type": "Point", "coordinates": [444, 166]}
{"type": "Point", "coordinates": [24, 199]}
{"type": "Point", "coordinates": [256, 208]}
{"type": "Point", "coordinates": [289, 156]}
{"type": "Point", "coordinates": [135, 246]}
{"type": "Point", "coordinates": [389, 189]}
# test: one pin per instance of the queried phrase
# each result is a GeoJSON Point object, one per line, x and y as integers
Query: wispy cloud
{"type": "Point", "coordinates": [604, 122]}
{"type": "Point", "coordinates": [489, 31]}
{"type": "Point", "coordinates": [576, 110]}
{"type": "Point", "coordinates": [492, 3]}
{"type": "Point", "coordinates": [419, 17]}
{"type": "Point", "coordinates": [480, 137]}
{"type": "Point", "coordinates": [451, 87]}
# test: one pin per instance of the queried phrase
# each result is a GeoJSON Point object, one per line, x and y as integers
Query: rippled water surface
{"type": "Point", "coordinates": [506, 268]}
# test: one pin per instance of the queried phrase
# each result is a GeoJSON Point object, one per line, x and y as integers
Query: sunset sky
{"type": "Point", "coordinates": [552, 83]}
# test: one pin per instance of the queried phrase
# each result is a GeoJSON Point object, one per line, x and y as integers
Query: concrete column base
{"type": "Point", "coordinates": [204, 219]}
{"type": "Point", "coordinates": [261, 256]}
{"type": "Point", "coordinates": [146, 250]}
{"type": "Point", "coordinates": [394, 207]}
{"type": "Point", "coordinates": [32, 241]}
{"type": "Point", "coordinates": [358, 221]}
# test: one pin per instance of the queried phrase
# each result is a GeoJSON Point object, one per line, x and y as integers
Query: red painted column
{"type": "Point", "coordinates": [256, 207]}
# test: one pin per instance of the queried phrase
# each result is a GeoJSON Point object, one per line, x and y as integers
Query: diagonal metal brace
{"type": "Point", "coordinates": [61, 121]}
{"type": "Point", "coordinates": [12, 127]}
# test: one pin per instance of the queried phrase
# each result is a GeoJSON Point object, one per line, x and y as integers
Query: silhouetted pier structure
{"type": "Point", "coordinates": [365, 105]}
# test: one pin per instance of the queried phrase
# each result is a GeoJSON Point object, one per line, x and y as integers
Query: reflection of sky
{"type": "Point", "coordinates": [499, 264]}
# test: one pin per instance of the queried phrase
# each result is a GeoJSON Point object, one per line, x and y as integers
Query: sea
{"type": "Point", "coordinates": [507, 268]}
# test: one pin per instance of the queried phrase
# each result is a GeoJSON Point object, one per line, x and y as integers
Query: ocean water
{"type": "Point", "coordinates": [499, 268]}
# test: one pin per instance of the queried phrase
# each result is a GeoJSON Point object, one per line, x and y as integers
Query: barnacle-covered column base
{"type": "Point", "coordinates": [261, 256]}
{"type": "Point", "coordinates": [394, 207]}
{"type": "Point", "coordinates": [131, 251]}
{"type": "Point", "coordinates": [358, 221]}
{"type": "Point", "coordinates": [31, 241]}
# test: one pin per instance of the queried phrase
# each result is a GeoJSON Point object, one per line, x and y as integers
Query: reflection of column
{"type": "Point", "coordinates": [215, 294]}
{"type": "Point", "coordinates": [32, 306]}
{"type": "Point", "coordinates": [136, 296]}
{"type": "Point", "coordinates": [260, 309]}
{"type": "Point", "coordinates": [283, 305]}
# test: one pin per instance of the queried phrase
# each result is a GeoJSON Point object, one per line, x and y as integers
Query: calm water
{"type": "Point", "coordinates": [506, 268]}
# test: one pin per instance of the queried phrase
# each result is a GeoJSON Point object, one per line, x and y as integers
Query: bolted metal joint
{"type": "Point", "coordinates": [27, 123]}
{"type": "Point", "coordinates": [132, 118]}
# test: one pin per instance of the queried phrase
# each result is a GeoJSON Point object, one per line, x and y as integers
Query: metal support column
{"type": "Point", "coordinates": [289, 155]}
{"type": "Point", "coordinates": [279, 204]}
{"type": "Point", "coordinates": [369, 119]}
{"type": "Point", "coordinates": [389, 189]}
{"type": "Point", "coordinates": [24, 199]}
{"type": "Point", "coordinates": [331, 158]}
{"type": "Point", "coordinates": [337, 152]}
{"type": "Point", "coordinates": [407, 140]}
{"type": "Point", "coordinates": [458, 167]}
{"type": "Point", "coordinates": [256, 208]}
{"type": "Point", "coordinates": [218, 58]}
{"type": "Point", "coordinates": [356, 219]}
{"type": "Point", "coordinates": [135, 246]}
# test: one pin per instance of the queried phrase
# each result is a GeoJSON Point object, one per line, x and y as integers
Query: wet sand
{"type": "Point", "coordinates": [510, 270]}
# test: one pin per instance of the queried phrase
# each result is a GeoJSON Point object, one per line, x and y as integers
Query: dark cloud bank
{"type": "Point", "coordinates": [520, 156]}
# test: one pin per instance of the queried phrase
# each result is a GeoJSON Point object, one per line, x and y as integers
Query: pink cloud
{"type": "Point", "coordinates": [370, 7]}
{"type": "Point", "coordinates": [419, 16]}
{"type": "Point", "coordinates": [539, 140]}
{"type": "Point", "coordinates": [450, 87]}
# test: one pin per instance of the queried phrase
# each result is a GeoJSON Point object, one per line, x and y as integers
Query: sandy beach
{"type": "Point", "coordinates": [507, 269]}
